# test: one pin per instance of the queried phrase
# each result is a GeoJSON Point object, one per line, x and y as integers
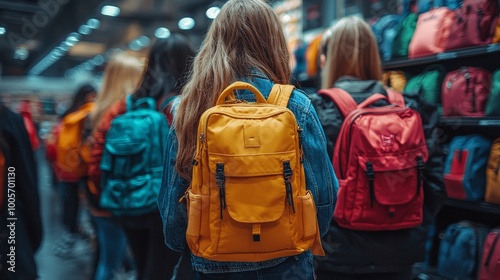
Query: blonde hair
{"type": "Point", "coordinates": [352, 50]}
{"type": "Point", "coordinates": [246, 35]}
{"type": "Point", "coordinates": [121, 77]}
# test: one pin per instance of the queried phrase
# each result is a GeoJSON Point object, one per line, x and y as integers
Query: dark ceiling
{"type": "Point", "coordinates": [35, 31]}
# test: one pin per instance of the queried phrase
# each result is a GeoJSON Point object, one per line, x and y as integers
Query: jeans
{"type": "Point", "coordinates": [71, 202]}
{"type": "Point", "coordinates": [112, 247]}
{"type": "Point", "coordinates": [294, 268]}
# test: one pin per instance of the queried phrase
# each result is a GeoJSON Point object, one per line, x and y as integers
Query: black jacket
{"type": "Point", "coordinates": [16, 147]}
{"type": "Point", "coordinates": [350, 251]}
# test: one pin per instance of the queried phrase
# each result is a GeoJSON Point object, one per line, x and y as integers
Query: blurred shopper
{"type": "Point", "coordinates": [121, 77]}
{"type": "Point", "coordinates": [20, 221]}
{"type": "Point", "coordinates": [353, 65]}
{"type": "Point", "coordinates": [25, 110]}
{"type": "Point", "coordinates": [245, 42]}
{"type": "Point", "coordinates": [164, 77]}
{"type": "Point", "coordinates": [70, 163]}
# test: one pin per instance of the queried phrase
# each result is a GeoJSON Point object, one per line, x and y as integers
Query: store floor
{"type": "Point", "coordinates": [78, 263]}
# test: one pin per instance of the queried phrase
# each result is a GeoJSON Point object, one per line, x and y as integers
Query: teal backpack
{"type": "Point", "coordinates": [428, 83]}
{"type": "Point", "coordinates": [404, 33]}
{"type": "Point", "coordinates": [132, 160]}
{"type": "Point", "coordinates": [493, 103]}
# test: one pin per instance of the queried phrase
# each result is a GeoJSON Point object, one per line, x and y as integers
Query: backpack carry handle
{"type": "Point", "coordinates": [240, 85]}
{"type": "Point", "coordinates": [395, 97]}
{"type": "Point", "coordinates": [372, 99]}
{"type": "Point", "coordinates": [341, 98]}
{"type": "Point", "coordinates": [148, 101]}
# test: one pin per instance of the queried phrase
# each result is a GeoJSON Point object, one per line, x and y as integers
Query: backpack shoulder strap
{"type": "Point", "coordinates": [166, 102]}
{"type": "Point", "coordinates": [341, 98]}
{"type": "Point", "coordinates": [395, 97]}
{"type": "Point", "coordinates": [280, 94]}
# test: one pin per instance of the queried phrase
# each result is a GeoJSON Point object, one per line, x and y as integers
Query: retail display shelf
{"type": "Point", "coordinates": [475, 206]}
{"type": "Point", "coordinates": [462, 121]}
{"type": "Point", "coordinates": [449, 55]}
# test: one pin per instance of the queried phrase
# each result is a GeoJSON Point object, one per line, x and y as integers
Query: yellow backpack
{"type": "Point", "coordinates": [72, 153]}
{"type": "Point", "coordinates": [394, 79]}
{"type": "Point", "coordinates": [248, 200]}
{"type": "Point", "coordinates": [493, 174]}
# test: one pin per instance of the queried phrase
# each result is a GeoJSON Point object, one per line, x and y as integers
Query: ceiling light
{"type": "Point", "coordinates": [111, 11]}
{"type": "Point", "coordinates": [73, 37]}
{"type": "Point", "coordinates": [2, 30]}
{"type": "Point", "coordinates": [134, 46]}
{"type": "Point", "coordinates": [143, 41]}
{"type": "Point", "coordinates": [162, 33]}
{"type": "Point", "coordinates": [94, 23]}
{"type": "Point", "coordinates": [186, 23]}
{"type": "Point", "coordinates": [85, 30]}
{"type": "Point", "coordinates": [212, 12]}
{"type": "Point", "coordinates": [21, 54]}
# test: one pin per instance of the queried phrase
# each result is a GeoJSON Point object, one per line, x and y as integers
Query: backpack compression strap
{"type": "Point", "coordinates": [280, 94]}
{"type": "Point", "coordinates": [341, 98]}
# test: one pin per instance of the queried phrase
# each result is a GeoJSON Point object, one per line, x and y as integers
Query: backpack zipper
{"type": "Point", "coordinates": [287, 174]}
{"type": "Point", "coordinates": [220, 179]}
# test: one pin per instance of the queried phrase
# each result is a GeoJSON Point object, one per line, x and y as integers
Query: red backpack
{"type": "Point", "coordinates": [473, 24]}
{"type": "Point", "coordinates": [489, 268]}
{"type": "Point", "coordinates": [379, 159]}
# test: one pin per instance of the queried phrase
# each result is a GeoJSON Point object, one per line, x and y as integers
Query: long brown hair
{"type": "Point", "coordinates": [352, 50]}
{"type": "Point", "coordinates": [121, 77]}
{"type": "Point", "coordinates": [246, 34]}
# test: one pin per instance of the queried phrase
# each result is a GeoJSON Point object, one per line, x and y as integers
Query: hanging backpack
{"type": "Point", "coordinates": [473, 24]}
{"type": "Point", "coordinates": [465, 167]}
{"type": "Point", "coordinates": [379, 158]}
{"type": "Point", "coordinates": [403, 37]}
{"type": "Point", "coordinates": [431, 33]}
{"type": "Point", "coordinates": [492, 174]}
{"type": "Point", "coordinates": [385, 30]}
{"type": "Point", "coordinates": [460, 250]}
{"type": "Point", "coordinates": [493, 102]}
{"type": "Point", "coordinates": [489, 267]}
{"type": "Point", "coordinates": [465, 91]}
{"type": "Point", "coordinates": [423, 6]}
{"type": "Point", "coordinates": [247, 200]}
{"type": "Point", "coordinates": [70, 166]}
{"type": "Point", "coordinates": [132, 159]}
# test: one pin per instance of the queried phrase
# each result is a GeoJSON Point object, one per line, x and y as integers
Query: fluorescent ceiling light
{"type": "Point", "coordinates": [212, 12]}
{"type": "Point", "coordinates": [162, 33]}
{"type": "Point", "coordinates": [94, 23]}
{"type": "Point", "coordinates": [85, 30]}
{"type": "Point", "coordinates": [186, 23]}
{"type": "Point", "coordinates": [111, 11]}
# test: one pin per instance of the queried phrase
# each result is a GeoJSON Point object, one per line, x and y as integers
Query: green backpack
{"type": "Point", "coordinates": [493, 103]}
{"type": "Point", "coordinates": [403, 37]}
{"type": "Point", "coordinates": [428, 83]}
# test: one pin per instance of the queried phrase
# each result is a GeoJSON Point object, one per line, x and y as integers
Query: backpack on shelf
{"type": "Point", "coordinates": [380, 157]}
{"type": "Point", "coordinates": [473, 24]}
{"type": "Point", "coordinates": [405, 32]}
{"type": "Point", "coordinates": [493, 102]}
{"type": "Point", "coordinates": [385, 30]}
{"type": "Point", "coordinates": [72, 151]}
{"type": "Point", "coordinates": [465, 167]}
{"type": "Point", "coordinates": [496, 35]}
{"type": "Point", "coordinates": [492, 174]}
{"type": "Point", "coordinates": [247, 200]}
{"type": "Point", "coordinates": [465, 92]}
{"type": "Point", "coordinates": [132, 159]}
{"type": "Point", "coordinates": [460, 250]}
{"type": "Point", "coordinates": [428, 83]}
{"type": "Point", "coordinates": [423, 6]}
{"type": "Point", "coordinates": [431, 33]}
{"type": "Point", "coordinates": [395, 80]}
{"type": "Point", "coordinates": [489, 267]}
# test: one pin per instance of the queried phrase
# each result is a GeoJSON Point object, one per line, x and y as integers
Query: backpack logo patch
{"type": "Point", "coordinates": [387, 140]}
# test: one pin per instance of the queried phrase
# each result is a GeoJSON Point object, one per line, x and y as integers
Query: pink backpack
{"type": "Point", "coordinates": [489, 268]}
{"type": "Point", "coordinates": [431, 33]}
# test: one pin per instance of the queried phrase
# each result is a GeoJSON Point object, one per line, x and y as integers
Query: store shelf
{"type": "Point", "coordinates": [450, 55]}
{"type": "Point", "coordinates": [461, 122]}
{"type": "Point", "coordinates": [483, 207]}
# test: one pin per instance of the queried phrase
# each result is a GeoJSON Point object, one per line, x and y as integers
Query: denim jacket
{"type": "Point", "coordinates": [320, 179]}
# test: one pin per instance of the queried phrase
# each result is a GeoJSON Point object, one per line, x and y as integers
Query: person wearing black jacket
{"type": "Point", "coordinates": [353, 64]}
{"type": "Point", "coordinates": [27, 233]}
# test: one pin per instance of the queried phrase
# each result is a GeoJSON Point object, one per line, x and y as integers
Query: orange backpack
{"type": "Point", "coordinates": [496, 36]}
{"type": "Point", "coordinates": [247, 200]}
{"type": "Point", "coordinates": [395, 80]}
{"type": "Point", "coordinates": [492, 174]}
{"type": "Point", "coordinates": [72, 153]}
